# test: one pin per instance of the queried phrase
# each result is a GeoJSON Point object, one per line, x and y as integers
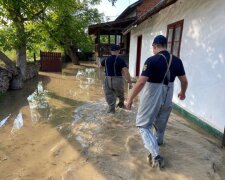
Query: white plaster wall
{"type": "Point", "coordinates": [202, 53]}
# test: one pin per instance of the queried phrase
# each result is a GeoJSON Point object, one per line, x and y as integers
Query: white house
{"type": "Point", "coordinates": [196, 33]}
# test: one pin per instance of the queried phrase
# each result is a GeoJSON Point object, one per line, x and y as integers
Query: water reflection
{"type": "Point", "coordinates": [2, 123]}
{"type": "Point", "coordinates": [18, 123]}
{"type": "Point", "coordinates": [87, 72]}
{"type": "Point", "coordinates": [38, 103]}
{"type": "Point", "coordinates": [87, 122]}
{"type": "Point", "coordinates": [86, 77]}
{"type": "Point", "coordinates": [90, 111]}
{"type": "Point", "coordinates": [91, 120]}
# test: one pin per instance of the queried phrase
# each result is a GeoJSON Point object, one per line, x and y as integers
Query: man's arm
{"type": "Point", "coordinates": [101, 63]}
{"type": "Point", "coordinates": [136, 89]}
{"type": "Point", "coordinates": [126, 74]}
{"type": "Point", "coordinates": [184, 85]}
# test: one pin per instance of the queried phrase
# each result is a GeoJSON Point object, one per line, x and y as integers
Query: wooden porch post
{"type": "Point", "coordinates": [108, 39]}
{"type": "Point", "coordinates": [98, 43]}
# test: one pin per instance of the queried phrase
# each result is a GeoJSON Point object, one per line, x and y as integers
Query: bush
{"type": "Point", "coordinates": [85, 56]}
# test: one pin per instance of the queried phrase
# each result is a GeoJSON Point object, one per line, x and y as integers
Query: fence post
{"type": "Point", "coordinates": [41, 60]}
{"type": "Point", "coordinates": [34, 57]}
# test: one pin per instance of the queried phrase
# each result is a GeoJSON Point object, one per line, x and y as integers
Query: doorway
{"type": "Point", "coordinates": [138, 59]}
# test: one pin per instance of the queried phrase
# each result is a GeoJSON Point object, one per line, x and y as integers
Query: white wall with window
{"type": "Point", "coordinates": [174, 36]}
{"type": "Point", "coordinates": [201, 47]}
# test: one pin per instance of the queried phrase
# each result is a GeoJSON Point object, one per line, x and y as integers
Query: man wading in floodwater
{"type": "Point", "coordinates": [157, 78]}
{"type": "Point", "coordinates": [115, 67]}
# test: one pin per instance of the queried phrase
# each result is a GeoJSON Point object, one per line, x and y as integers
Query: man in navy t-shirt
{"type": "Point", "coordinates": [156, 80]}
{"type": "Point", "coordinates": [115, 67]}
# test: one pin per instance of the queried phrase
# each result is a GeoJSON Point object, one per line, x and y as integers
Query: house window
{"type": "Point", "coordinates": [174, 34]}
{"type": "Point", "coordinates": [104, 39]}
{"type": "Point", "coordinates": [112, 39]}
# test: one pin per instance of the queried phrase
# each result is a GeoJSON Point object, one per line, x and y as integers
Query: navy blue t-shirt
{"type": "Point", "coordinates": [155, 68]}
{"type": "Point", "coordinates": [113, 65]}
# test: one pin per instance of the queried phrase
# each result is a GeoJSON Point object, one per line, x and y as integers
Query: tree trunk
{"type": "Point", "coordinates": [21, 48]}
{"type": "Point", "coordinates": [5, 77]}
{"type": "Point", "coordinates": [9, 63]}
{"type": "Point", "coordinates": [16, 81]}
{"type": "Point", "coordinates": [73, 56]}
{"type": "Point", "coordinates": [21, 61]}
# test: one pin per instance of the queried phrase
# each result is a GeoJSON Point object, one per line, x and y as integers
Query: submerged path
{"type": "Point", "coordinates": [57, 128]}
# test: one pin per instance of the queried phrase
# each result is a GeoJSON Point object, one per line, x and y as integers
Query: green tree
{"type": "Point", "coordinates": [27, 23]}
{"type": "Point", "coordinates": [66, 26]}
{"type": "Point", "coordinates": [14, 15]}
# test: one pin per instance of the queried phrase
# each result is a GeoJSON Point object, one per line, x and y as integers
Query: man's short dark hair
{"type": "Point", "coordinates": [160, 41]}
{"type": "Point", "coordinates": [115, 47]}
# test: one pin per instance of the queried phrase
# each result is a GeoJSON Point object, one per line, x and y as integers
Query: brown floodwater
{"type": "Point", "coordinates": [57, 127]}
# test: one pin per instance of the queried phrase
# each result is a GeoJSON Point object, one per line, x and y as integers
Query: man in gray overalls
{"type": "Point", "coordinates": [115, 67]}
{"type": "Point", "coordinates": [157, 81]}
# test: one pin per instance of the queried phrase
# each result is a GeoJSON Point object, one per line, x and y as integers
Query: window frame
{"type": "Point", "coordinates": [174, 26]}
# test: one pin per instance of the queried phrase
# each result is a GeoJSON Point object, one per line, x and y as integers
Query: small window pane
{"type": "Point", "coordinates": [177, 34]}
{"type": "Point", "coordinates": [118, 39]}
{"type": "Point", "coordinates": [112, 39]}
{"type": "Point", "coordinates": [170, 35]}
{"type": "Point", "coordinates": [174, 35]}
{"type": "Point", "coordinates": [169, 47]}
{"type": "Point", "coordinates": [175, 48]}
{"type": "Point", "coordinates": [103, 39]}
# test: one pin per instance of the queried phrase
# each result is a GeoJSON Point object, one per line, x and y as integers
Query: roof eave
{"type": "Point", "coordinates": [94, 27]}
{"type": "Point", "coordinates": [158, 7]}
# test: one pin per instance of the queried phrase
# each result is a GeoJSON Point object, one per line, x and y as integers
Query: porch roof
{"type": "Point", "coordinates": [118, 25]}
{"type": "Point", "coordinates": [158, 7]}
{"type": "Point", "coordinates": [112, 27]}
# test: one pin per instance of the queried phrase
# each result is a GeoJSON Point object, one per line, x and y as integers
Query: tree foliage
{"type": "Point", "coordinates": [67, 25]}
{"type": "Point", "coordinates": [14, 16]}
{"type": "Point", "coordinates": [46, 24]}
{"type": "Point", "coordinates": [113, 2]}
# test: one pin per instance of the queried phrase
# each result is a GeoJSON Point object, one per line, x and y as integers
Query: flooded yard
{"type": "Point", "coordinates": [57, 128]}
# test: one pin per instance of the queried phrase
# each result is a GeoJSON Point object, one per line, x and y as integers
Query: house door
{"type": "Point", "coordinates": [138, 59]}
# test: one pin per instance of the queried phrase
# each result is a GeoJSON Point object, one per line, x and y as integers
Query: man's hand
{"type": "Point", "coordinates": [130, 86]}
{"type": "Point", "coordinates": [181, 96]}
{"type": "Point", "coordinates": [135, 90]}
{"type": "Point", "coordinates": [184, 85]}
{"type": "Point", "coordinates": [126, 74]}
{"type": "Point", "coordinates": [129, 104]}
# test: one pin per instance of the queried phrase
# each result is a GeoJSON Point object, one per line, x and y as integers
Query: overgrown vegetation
{"type": "Point", "coordinates": [30, 26]}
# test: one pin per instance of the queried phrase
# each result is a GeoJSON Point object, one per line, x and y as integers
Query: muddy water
{"type": "Point", "coordinates": [57, 128]}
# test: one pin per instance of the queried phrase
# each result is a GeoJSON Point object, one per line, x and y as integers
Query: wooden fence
{"type": "Point", "coordinates": [50, 61]}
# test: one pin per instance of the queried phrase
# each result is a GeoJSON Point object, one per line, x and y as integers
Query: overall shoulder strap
{"type": "Point", "coordinates": [168, 65]}
{"type": "Point", "coordinates": [115, 66]}
{"type": "Point", "coordinates": [106, 70]}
